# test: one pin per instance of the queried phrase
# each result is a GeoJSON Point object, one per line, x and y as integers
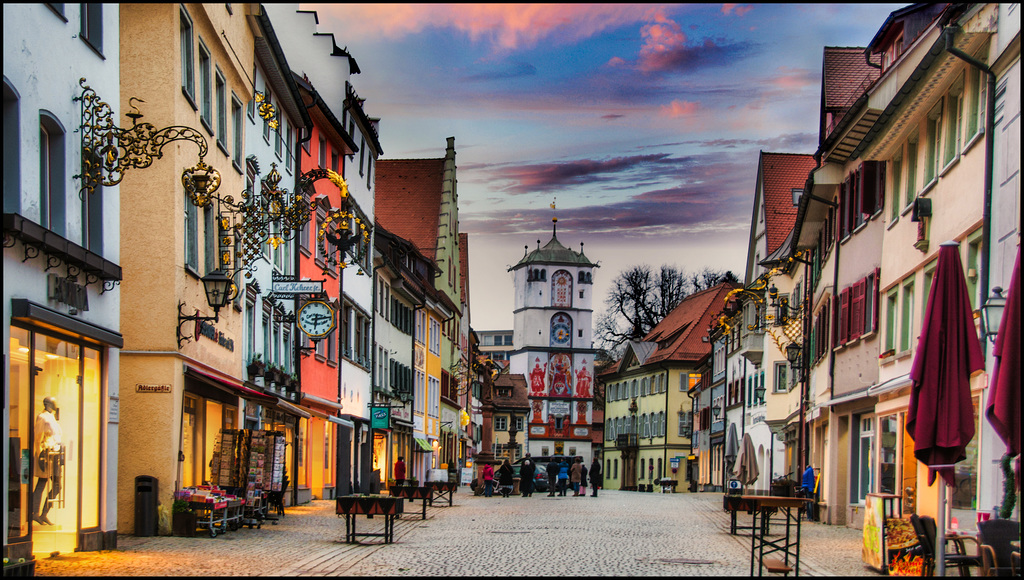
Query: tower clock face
{"type": "Point", "coordinates": [561, 330]}
{"type": "Point", "coordinates": [316, 318]}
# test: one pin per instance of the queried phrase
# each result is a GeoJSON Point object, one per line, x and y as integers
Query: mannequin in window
{"type": "Point", "coordinates": [48, 449]}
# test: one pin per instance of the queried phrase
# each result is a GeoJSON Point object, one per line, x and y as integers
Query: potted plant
{"type": "Point", "coordinates": [256, 366]}
{"type": "Point", "coordinates": [183, 522]}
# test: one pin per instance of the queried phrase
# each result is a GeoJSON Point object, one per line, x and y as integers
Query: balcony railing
{"type": "Point", "coordinates": [627, 441]}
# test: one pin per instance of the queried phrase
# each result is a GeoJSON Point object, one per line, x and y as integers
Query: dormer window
{"type": "Point", "coordinates": [892, 54]}
{"type": "Point", "coordinates": [796, 195]}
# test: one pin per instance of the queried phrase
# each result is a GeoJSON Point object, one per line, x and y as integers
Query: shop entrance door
{"type": "Point", "coordinates": [55, 418]}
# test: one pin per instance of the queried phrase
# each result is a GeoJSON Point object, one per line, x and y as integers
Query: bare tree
{"type": "Point", "coordinates": [639, 299]}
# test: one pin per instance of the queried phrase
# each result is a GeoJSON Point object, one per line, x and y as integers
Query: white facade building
{"type": "Point", "coordinates": [553, 340]}
{"type": "Point", "coordinates": [61, 300]}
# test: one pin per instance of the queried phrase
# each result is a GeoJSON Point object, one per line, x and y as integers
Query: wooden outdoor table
{"type": "Point", "coordinates": [412, 493]}
{"type": "Point", "coordinates": [353, 505]}
{"type": "Point", "coordinates": [443, 489]}
{"type": "Point", "coordinates": [735, 504]}
{"type": "Point", "coordinates": [764, 506]}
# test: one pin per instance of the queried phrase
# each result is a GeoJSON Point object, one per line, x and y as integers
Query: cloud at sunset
{"type": "Point", "coordinates": [503, 26]}
{"type": "Point", "coordinates": [738, 9]}
{"type": "Point", "coordinates": [680, 109]}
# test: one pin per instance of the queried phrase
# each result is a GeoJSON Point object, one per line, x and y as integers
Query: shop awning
{"type": "Point", "coordinates": [307, 398]}
{"type": "Point", "coordinates": [236, 388]}
{"type": "Point", "coordinates": [23, 309]}
{"type": "Point", "coordinates": [422, 445]}
{"type": "Point", "coordinates": [890, 385]}
{"type": "Point", "coordinates": [848, 398]}
{"type": "Point", "coordinates": [342, 422]}
{"type": "Point", "coordinates": [290, 408]}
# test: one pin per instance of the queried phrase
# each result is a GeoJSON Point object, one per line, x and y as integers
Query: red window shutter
{"type": "Point", "coordinates": [844, 316]}
{"type": "Point", "coordinates": [836, 307]}
{"type": "Point", "coordinates": [878, 297]}
{"type": "Point", "coordinates": [857, 310]}
{"type": "Point", "coordinates": [868, 184]}
{"type": "Point", "coordinates": [880, 190]}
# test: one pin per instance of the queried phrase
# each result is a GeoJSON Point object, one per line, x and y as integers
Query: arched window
{"type": "Point", "coordinates": [12, 150]}
{"type": "Point", "coordinates": [52, 198]}
{"type": "Point", "coordinates": [561, 289]}
{"type": "Point", "coordinates": [642, 459]}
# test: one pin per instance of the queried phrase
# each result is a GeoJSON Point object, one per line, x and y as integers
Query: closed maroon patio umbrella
{"type": "Point", "coordinates": [1003, 409]}
{"type": "Point", "coordinates": [941, 417]}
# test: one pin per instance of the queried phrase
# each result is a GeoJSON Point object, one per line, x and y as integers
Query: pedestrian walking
{"type": "Point", "coordinates": [488, 479]}
{"type": "Point", "coordinates": [400, 471]}
{"type": "Point", "coordinates": [563, 476]}
{"type": "Point", "coordinates": [505, 480]}
{"type": "Point", "coordinates": [583, 478]}
{"type": "Point", "coordinates": [526, 473]}
{"type": "Point", "coordinates": [595, 477]}
{"type": "Point", "coordinates": [810, 487]}
{"type": "Point", "coordinates": [576, 475]}
{"type": "Point", "coordinates": [552, 471]}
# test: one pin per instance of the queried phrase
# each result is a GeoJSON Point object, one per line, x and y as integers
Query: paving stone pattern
{"type": "Point", "coordinates": [616, 534]}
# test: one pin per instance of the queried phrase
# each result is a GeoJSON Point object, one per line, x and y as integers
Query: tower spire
{"type": "Point", "coordinates": [554, 219]}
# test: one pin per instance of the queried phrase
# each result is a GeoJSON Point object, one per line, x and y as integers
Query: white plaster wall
{"type": "Point", "coordinates": [43, 61]}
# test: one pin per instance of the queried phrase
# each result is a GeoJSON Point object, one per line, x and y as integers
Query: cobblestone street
{"type": "Point", "coordinates": [615, 534]}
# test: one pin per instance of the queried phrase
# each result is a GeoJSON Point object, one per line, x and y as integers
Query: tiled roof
{"type": "Point", "coordinates": [781, 173]}
{"type": "Point", "coordinates": [680, 335]}
{"type": "Point", "coordinates": [408, 200]}
{"type": "Point", "coordinates": [519, 398]}
{"type": "Point", "coordinates": [845, 76]}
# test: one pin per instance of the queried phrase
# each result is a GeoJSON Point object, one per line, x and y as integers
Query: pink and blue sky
{"type": "Point", "coordinates": [643, 123]}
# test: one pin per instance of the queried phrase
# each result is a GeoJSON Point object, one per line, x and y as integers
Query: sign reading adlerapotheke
{"type": "Point", "coordinates": [380, 417]}
{"type": "Point", "coordinates": [298, 287]}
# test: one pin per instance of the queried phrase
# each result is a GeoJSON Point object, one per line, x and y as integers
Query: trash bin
{"type": "Point", "coordinates": [145, 505]}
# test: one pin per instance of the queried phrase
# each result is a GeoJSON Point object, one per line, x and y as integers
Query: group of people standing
{"type": "Point", "coordinates": [561, 473]}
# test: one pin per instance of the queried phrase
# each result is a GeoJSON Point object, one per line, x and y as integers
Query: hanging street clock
{"type": "Point", "coordinates": [316, 319]}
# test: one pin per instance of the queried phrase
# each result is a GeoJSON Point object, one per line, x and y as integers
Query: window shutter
{"type": "Point", "coordinates": [878, 297]}
{"type": "Point", "coordinates": [856, 310]}
{"type": "Point", "coordinates": [868, 185]}
{"type": "Point", "coordinates": [844, 316]}
{"type": "Point", "coordinates": [836, 307]}
{"type": "Point", "coordinates": [879, 189]}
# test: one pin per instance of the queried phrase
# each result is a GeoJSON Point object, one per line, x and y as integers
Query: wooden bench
{"type": "Point", "coordinates": [776, 566]}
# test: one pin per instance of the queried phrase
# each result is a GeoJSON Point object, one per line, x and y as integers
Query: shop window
{"type": "Point", "coordinates": [860, 464]}
{"type": "Point", "coordinates": [888, 444]}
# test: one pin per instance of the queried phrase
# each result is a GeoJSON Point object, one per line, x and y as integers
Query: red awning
{"type": "Point", "coordinates": [237, 388]}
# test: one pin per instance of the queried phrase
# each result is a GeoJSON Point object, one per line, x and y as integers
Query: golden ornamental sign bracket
{"type": "Point", "coordinates": [108, 151]}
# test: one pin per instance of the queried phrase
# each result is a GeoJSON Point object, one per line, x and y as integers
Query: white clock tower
{"type": "Point", "coordinates": [554, 347]}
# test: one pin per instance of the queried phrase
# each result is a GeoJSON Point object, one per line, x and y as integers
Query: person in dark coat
{"type": "Point", "coordinates": [583, 478]}
{"type": "Point", "coordinates": [505, 479]}
{"type": "Point", "coordinates": [596, 480]}
{"type": "Point", "coordinates": [552, 471]}
{"type": "Point", "coordinates": [526, 472]}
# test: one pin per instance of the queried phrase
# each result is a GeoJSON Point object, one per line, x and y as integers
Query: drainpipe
{"type": "Point", "coordinates": [990, 111]}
